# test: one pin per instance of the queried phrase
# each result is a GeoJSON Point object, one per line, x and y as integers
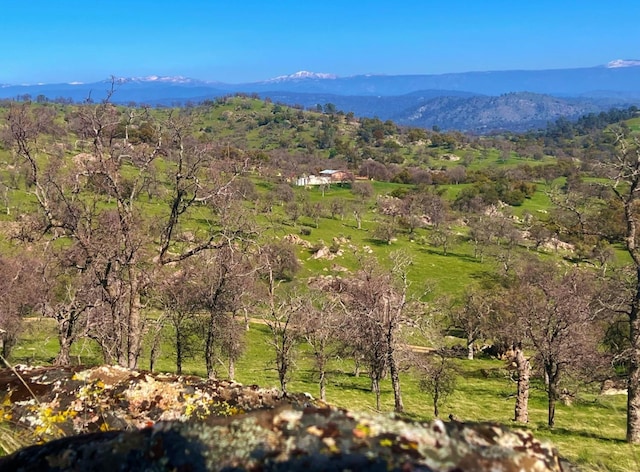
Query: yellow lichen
{"type": "Point", "coordinates": [330, 443]}
{"type": "Point", "coordinates": [47, 419]}
{"type": "Point", "coordinates": [5, 412]}
{"type": "Point", "coordinates": [361, 430]}
{"type": "Point", "coordinates": [386, 442]}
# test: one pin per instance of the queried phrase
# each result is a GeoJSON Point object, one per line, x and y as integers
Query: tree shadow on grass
{"type": "Point", "coordinates": [351, 383]}
{"type": "Point", "coordinates": [308, 375]}
{"type": "Point", "coordinates": [565, 432]}
{"type": "Point", "coordinates": [487, 278]}
{"type": "Point", "coordinates": [452, 254]}
{"type": "Point", "coordinates": [377, 242]}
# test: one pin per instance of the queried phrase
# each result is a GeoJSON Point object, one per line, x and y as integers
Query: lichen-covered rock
{"type": "Point", "coordinates": [51, 402]}
{"type": "Point", "coordinates": [290, 438]}
{"type": "Point", "coordinates": [183, 427]}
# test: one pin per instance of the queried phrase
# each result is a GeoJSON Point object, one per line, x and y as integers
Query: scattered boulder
{"type": "Point", "coordinates": [555, 244]}
{"type": "Point", "coordinates": [338, 268]}
{"type": "Point", "coordinates": [297, 240]}
{"type": "Point", "coordinates": [614, 387]}
{"type": "Point", "coordinates": [323, 253]}
{"type": "Point", "coordinates": [340, 240]}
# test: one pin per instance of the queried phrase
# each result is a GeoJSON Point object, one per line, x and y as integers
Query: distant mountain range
{"type": "Point", "coordinates": [469, 101]}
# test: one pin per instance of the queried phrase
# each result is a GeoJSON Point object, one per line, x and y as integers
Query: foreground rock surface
{"type": "Point", "coordinates": [284, 434]}
{"type": "Point", "coordinates": [51, 402]}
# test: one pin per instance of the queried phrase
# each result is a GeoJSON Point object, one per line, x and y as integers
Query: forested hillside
{"type": "Point", "coordinates": [156, 237]}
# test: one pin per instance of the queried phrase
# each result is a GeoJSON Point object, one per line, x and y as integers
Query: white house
{"type": "Point", "coordinates": [326, 177]}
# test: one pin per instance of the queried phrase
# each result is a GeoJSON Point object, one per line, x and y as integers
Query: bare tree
{"type": "Point", "coordinates": [507, 239]}
{"type": "Point", "coordinates": [320, 323]}
{"type": "Point", "coordinates": [281, 313]}
{"type": "Point", "coordinates": [583, 213]}
{"type": "Point", "coordinates": [179, 296]}
{"type": "Point", "coordinates": [337, 208]}
{"type": "Point", "coordinates": [481, 235]}
{"type": "Point", "coordinates": [385, 230]}
{"type": "Point", "coordinates": [471, 318]}
{"type": "Point", "coordinates": [422, 207]}
{"type": "Point", "coordinates": [363, 190]}
{"type": "Point", "coordinates": [442, 236]}
{"type": "Point", "coordinates": [93, 201]}
{"type": "Point", "coordinates": [19, 294]}
{"type": "Point", "coordinates": [223, 276]}
{"type": "Point", "coordinates": [375, 302]}
{"type": "Point", "coordinates": [280, 258]}
{"type": "Point", "coordinates": [69, 299]}
{"type": "Point", "coordinates": [504, 328]}
{"type": "Point", "coordinates": [437, 378]}
{"type": "Point", "coordinates": [558, 315]}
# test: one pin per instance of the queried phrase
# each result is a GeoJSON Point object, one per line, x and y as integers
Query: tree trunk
{"type": "Point", "coordinates": [65, 338]}
{"type": "Point", "coordinates": [470, 349]}
{"type": "Point", "coordinates": [395, 379]}
{"type": "Point", "coordinates": [552, 372]}
{"type": "Point", "coordinates": [179, 353]}
{"type": "Point", "coordinates": [322, 371]}
{"type": "Point", "coordinates": [209, 352]}
{"type": "Point", "coordinates": [282, 376]}
{"type": "Point", "coordinates": [134, 325]}
{"type": "Point", "coordinates": [323, 386]}
{"type": "Point", "coordinates": [246, 320]}
{"type": "Point", "coordinates": [63, 358]}
{"type": "Point", "coordinates": [633, 382]}
{"type": "Point", "coordinates": [232, 369]}
{"type": "Point", "coordinates": [375, 386]}
{"type": "Point", "coordinates": [153, 357]}
{"type": "Point", "coordinates": [121, 338]}
{"type": "Point", "coordinates": [522, 396]}
{"type": "Point", "coordinates": [106, 353]}
{"type": "Point", "coordinates": [356, 366]}
{"type": "Point", "coordinates": [552, 391]}
{"type": "Point", "coordinates": [154, 351]}
{"type": "Point", "coordinates": [8, 341]}
{"type": "Point", "coordinates": [436, 400]}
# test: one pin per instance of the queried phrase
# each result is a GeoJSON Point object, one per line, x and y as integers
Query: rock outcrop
{"type": "Point", "coordinates": [50, 402]}
{"type": "Point", "coordinates": [190, 424]}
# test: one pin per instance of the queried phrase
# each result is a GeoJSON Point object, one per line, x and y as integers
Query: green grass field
{"type": "Point", "coordinates": [634, 124]}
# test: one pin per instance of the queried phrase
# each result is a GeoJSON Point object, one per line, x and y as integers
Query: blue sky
{"type": "Point", "coordinates": [72, 40]}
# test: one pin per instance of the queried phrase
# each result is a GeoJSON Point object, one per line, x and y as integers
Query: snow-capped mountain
{"type": "Point", "coordinates": [301, 75]}
{"type": "Point", "coordinates": [623, 63]}
{"type": "Point", "coordinates": [177, 79]}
